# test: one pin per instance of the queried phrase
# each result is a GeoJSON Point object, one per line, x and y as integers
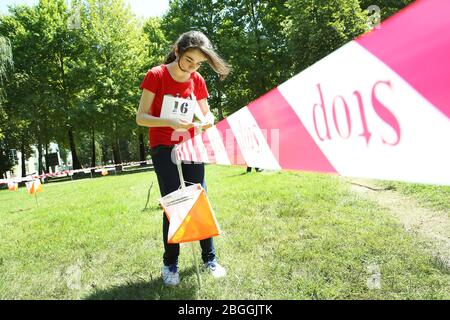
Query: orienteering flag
{"type": "Point", "coordinates": [34, 186]}
{"type": "Point", "coordinates": [13, 186]}
{"type": "Point", "coordinates": [190, 215]}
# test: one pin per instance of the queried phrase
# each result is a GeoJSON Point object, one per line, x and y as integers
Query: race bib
{"type": "Point", "coordinates": [178, 108]}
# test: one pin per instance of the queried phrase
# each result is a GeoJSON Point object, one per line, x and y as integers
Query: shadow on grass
{"type": "Point", "coordinates": [238, 174]}
{"type": "Point", "coordinates": [152, 208]}
{"type": "Point", "coordinates": [154, 289]}
{"type": "Point", "coordinates": [19, 210]}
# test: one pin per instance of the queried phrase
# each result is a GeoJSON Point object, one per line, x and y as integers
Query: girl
{"type": "Point", "coordinates": [178, 77]}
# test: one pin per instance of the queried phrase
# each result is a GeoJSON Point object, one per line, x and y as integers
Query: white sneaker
{"type": "Point", "coordinates": [170, 275]}
{"type": "Point", "coordinates": [216, 270]}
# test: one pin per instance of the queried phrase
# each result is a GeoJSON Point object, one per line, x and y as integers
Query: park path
{"type": "Point", "coordinates": [432, 227]}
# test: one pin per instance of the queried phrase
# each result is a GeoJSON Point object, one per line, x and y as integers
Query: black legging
{"type": "Point", "coordinates": [169, 181]}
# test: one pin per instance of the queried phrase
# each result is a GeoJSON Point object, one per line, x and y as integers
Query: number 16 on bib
{"type": "Point", "coordinates": [178, 108]}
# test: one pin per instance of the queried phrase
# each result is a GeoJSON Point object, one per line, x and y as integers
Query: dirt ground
{"type": "Point", "coordinates": [432, 228]}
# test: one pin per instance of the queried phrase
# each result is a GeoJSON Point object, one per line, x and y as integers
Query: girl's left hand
{"type": "Point", "coordinates": [200, 128]}
{"type": "Point", "coordinates": [207, 126]}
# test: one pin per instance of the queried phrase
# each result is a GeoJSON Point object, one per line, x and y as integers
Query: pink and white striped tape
{"type": "Point", "coordinates": [66, 173]}
{"type": "Point", "coordinates": [378, 107]}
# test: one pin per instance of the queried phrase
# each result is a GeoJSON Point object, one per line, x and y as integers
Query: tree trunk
{"type": "Point", "coordinates": [93, 149]}
{"type": "Point", "coordinates": [2, 174]}
{"type": "Point", "coordinates": [22, 160]}
{"type": "Point", "coordinates": [40, 164]}
{"type": "Point", "coordinates": [255, 21]}
{"type": "Point", "coordinates": [124, 150]}
{"type": "Point", "coordinates": [75, 162]}
{"type": "Point", "coordinates": [46, 164]}
{"type": "Point", "coordinates": [141, 148]}
{"type": "Point", "coordinates": [104, 154]}
{"type": "Point", "coordinates": [116, 154]}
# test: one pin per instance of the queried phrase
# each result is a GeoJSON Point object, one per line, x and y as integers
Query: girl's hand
{"type": "Point", "coordinates": [210, 120]}
{"type": "Point", "coordinates": [203, 126]}
{"type": "Point", "coordinates": [207, 126]}
{"type": "Point", "coordinates": [180, 125]}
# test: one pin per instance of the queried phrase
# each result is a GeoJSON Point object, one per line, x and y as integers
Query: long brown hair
{"type": "Point", "coordinates": [197, 40]}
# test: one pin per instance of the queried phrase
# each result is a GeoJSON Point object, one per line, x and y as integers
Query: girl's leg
{"type": "Point", "coordinates": [195, 173]}
{"type": "Point", "coordinates": [169, 181]}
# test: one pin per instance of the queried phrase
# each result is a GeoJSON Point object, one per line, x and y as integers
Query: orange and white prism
{"type": "Point", "coordinates": [190, 215]}
{"type": "Point", "coordinates": [34, 186]}
{"type": "Point", "coordinates": [13, 186]}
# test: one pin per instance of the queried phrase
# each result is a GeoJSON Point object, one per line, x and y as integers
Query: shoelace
{"type": "Point", "coordinates": [173, 268]}
{"type": "Point", "coordinates": [211, 265]}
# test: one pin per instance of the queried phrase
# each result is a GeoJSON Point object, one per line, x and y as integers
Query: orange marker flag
{"type": "Point", "coordinates": [13, 186]}
{"type": "Point", "coordinates": [190, 215]}
{"type": "Point", "coordinates": [34, 186]}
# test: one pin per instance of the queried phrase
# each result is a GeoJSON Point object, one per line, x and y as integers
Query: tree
{"type": "Point", "coordinates": [62, 75]}
{"type": "Point", "coordinates": [257, 48]}
{"type": "Point", "coordinates": [317, 28]}
{"type": "Point", "coordinates": [6, 62]}
{"type": "Point", "coordinates": [22, 107]}
{"type": "Point", "coordinates": [387, 7]}
{"type": "Point", "coordinates": [85, 62]}
{"type": "Point", "coordinates": [39, 40]}
{"type": "Point", "coordinates": [156, 43]}
{"type": "Point", "coordinates": [115, 63]}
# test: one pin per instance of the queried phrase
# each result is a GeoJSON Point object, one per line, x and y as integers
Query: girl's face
{"type": "Point", "coordinates": [191, 60]}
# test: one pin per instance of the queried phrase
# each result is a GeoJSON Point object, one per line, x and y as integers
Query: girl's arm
{"type": "Point", "coordinates": [146, 120]}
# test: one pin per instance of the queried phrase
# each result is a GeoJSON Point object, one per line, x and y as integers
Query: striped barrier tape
{"type": "Point", "coordinates": [377, 108]}
{"type": "Point", "coordinates": [66, 173]}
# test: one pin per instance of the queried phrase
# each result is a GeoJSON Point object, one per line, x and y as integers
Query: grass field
{"type": "Point", "coordinates": [434, 197]}
{"type": "Point", "coordinates": [286, 235]}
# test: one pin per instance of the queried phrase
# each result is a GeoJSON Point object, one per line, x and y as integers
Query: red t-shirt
{"type": "Point", "coordinates": [159, 81]}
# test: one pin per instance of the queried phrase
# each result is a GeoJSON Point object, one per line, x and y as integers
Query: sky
{"type": "Point", "coordinates": [145, 8]}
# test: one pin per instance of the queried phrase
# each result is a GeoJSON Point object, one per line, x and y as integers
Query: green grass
{"type": "Point", "coordinates": [431, 196]}
{"type": "Point", "coordinates": [286, 235]}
